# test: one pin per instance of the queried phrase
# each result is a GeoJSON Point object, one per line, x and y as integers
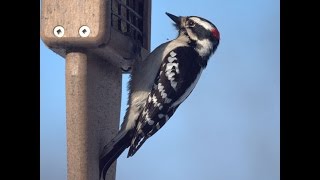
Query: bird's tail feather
{"type": "Point", "coordinates": [112, 151]}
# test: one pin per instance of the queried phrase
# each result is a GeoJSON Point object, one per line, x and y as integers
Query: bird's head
{"type": "Point", "coordinates": [200, 31]}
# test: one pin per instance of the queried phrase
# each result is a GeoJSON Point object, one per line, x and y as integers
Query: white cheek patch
{"type": "Point", "coordinates": [204, 47]}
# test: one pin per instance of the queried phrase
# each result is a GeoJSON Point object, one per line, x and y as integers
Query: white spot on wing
{"type": "Point", "coordinates": [169, 72]}
{"type": "Point", "coordinates": [160, 116]}
{"type": "Point", "coordinates": [144, 112]}
{"type": "Point", "coordinates": [170, 67]}
{"type": "Point", "coordinates": [164, 95]}
{"type": "Point", "coordinates": [167, 100]}
{"type": "Point", "coordinates": [160, 87]}
{"type": "Point", "coordinates": [161, 90]}
{"type": "Point", "coordinates": [170, 75]}
{"type": "Point", "coordinates": [147, 117]}
{"type": "Point", "coordinates": [150, 122]}
{"type": "Point", "coordinates": [158, 126]}
{"type": "Point", "coordinates": [174, 84]}
{"type": "Point", "coordinates": [167, 118]}
{"type": "Point", "coordinates": [171, 59]}
{"type": "Point", "coordinates": [172, 54]}
{"type": "Point", "coordinates": [154, 99]}
{"type": "Point", "coordinates": [139, 126]}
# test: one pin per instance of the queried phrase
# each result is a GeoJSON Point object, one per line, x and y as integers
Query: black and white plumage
{"type": "Point", "coordinates": [160, 83]}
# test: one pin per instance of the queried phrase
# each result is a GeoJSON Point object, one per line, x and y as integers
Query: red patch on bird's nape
{"type": "Point", "coordinates": [215, 33]}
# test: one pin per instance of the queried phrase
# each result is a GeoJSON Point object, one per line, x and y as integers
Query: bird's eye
{"type": "Point", "coordinates": [191, 23]}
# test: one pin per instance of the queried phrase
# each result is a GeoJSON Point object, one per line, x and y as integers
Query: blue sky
{"type": "Point", "coordinates": [228, 128]}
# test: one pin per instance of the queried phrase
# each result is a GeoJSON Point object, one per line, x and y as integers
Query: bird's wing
{"type": "Point", "coordinates": [174, 82]}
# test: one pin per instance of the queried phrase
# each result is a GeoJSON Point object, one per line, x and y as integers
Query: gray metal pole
{"type": "Point", "coordinates": [93, 95]}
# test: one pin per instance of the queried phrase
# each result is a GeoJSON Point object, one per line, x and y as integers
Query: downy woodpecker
{"type": "Point", "coordinates": [160, 83]}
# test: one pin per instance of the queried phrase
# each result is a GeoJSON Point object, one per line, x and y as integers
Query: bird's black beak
{"type": "Point", "coordinates": [174, 18]}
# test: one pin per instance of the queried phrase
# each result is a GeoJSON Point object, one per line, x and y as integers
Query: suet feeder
{"type": "Point", "coordinates": [100, 40]}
